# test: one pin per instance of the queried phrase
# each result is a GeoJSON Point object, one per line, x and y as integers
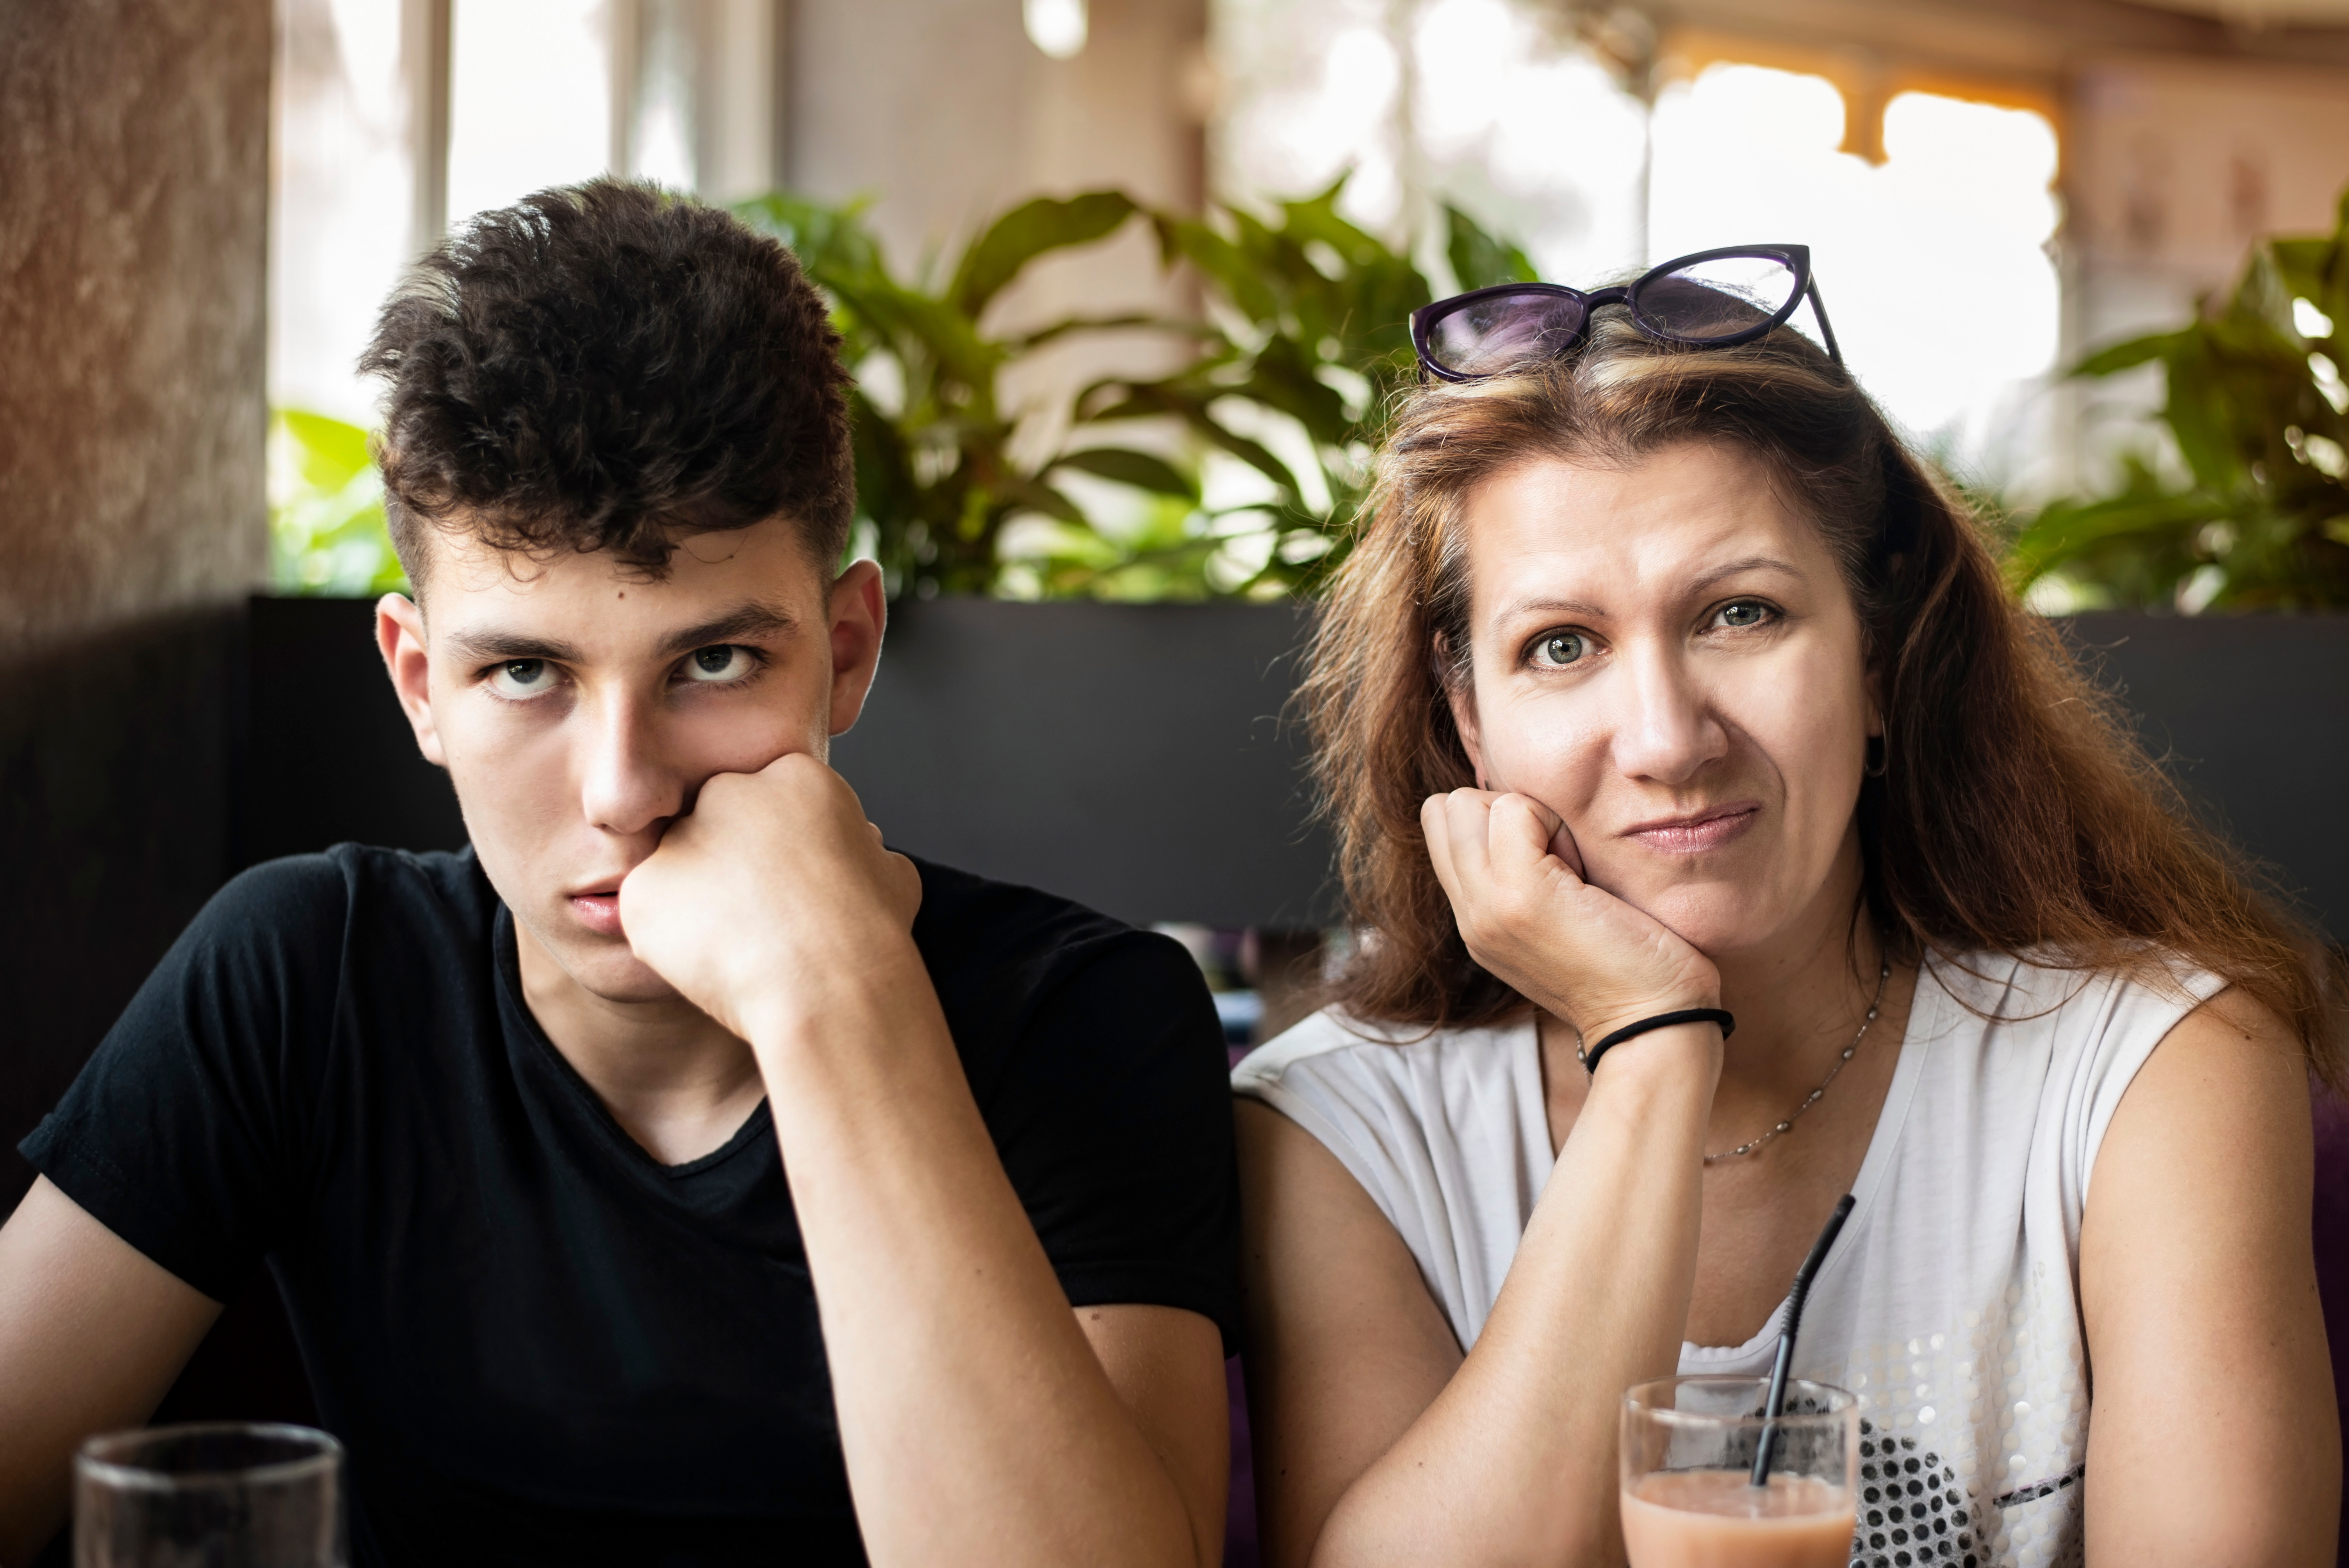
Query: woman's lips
{"type": "Point", "coordinates": [598, 912]}
{"type": "Point", "coordinates": [1698, 834]}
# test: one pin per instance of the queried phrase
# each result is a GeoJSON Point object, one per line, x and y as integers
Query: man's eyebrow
{"type": "Point", "coordinates": [738, 624]}
{"type": "Point", "coordinates": [490, 645]}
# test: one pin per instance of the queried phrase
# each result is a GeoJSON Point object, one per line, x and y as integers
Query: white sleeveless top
{"type": "Point", "coordinates": [1950, 1301]}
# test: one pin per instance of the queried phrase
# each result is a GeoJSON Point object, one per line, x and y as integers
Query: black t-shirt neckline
{"type": "Point", "coordinates": [514, 1002]}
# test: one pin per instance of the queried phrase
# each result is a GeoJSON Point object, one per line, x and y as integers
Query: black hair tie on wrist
{"type": "Point", "coordinates": [1589, 1059]}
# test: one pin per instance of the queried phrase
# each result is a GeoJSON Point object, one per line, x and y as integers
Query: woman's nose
{"type": "Point", "coordinates": [1665, 731]}
{"type": "Point", "coordinates": [626, 785]}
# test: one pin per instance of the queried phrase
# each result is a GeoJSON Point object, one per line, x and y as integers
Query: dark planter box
{"type": "Point", "coordinates": [1131, 757]}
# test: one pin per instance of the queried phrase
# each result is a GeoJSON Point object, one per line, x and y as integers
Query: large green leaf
{"type": "Point", "coordinates": [1027, 231]}
{"type": "Point", "coordinates": [2260, 436]}
{"type": "Point", "coordinates": [331, 452]}
{"type": "Point", "coordinates": [1140, 469]}
{"type": "Point", "coordinates": [1227, 268]}
{"type": "Point", "coordinates": [1478, 260]}
{"type": "Point", "coordinates": [2127, 355]}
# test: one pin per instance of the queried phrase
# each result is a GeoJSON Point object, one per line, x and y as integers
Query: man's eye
{"type": "Point", "coordinates": [726, 662]}
{"type": "Point", "coordinates": [1559, 648]}
{"type": "Point", "coordinates": [1744, 612]}
{"type": "Point", "coordinates": [519, 678]}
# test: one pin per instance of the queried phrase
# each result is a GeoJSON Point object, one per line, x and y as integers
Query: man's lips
{"type": "Point", "coordinates": [598, 910]}
{"type": "Point", "coordinates": [1699, 831]}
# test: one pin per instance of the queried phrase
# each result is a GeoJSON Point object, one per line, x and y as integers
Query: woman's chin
{"type": "Point", "coordinates": [1716, 919]}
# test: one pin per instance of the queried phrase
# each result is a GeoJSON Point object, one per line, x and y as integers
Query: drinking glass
{"type": "Point", "coordinates": [1689, 1500]}
{"type": "Point", "coordinates": [212, 1495]}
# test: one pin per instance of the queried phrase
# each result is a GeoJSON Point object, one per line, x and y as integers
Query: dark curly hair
{"type": "Point", "coordinates": [610, 366]}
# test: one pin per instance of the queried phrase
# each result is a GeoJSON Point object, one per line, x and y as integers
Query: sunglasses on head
{"type": "Point", "coordinates": [1714, 299]}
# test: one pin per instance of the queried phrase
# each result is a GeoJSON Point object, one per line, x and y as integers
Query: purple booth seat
{"type": "Point", "coordinates": [2332, 1253]}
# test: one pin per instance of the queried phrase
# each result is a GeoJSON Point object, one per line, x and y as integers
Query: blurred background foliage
{"type": "Point", "coordinates": [327, 531]}
{"type": "Point", "coordinates": [1235, 475]}
{"type": "Point", "coordinates": [1244, 465]}
{"type": "Point", "coordinates": [1238, 473]}
{"type": "Point", "coordinates": [2246, 505]}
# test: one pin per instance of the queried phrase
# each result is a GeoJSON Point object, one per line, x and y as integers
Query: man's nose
{"type": "Point", "coordinates": [627, 786]}
{"type": "Point", "coordinates": [1665, 730]}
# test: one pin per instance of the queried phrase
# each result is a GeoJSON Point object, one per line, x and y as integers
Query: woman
{"type": "Point", "coordinates": [1663, 678]}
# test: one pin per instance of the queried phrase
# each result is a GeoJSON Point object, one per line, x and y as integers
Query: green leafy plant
{"type": "Point", "coordinates": [2255, 407]}
{"type": "Point", "coordinates": [1238, 473]}
{"type": "Point", "coordinates": [938, 469]}
{"type": "Point", "coordinates": [1303, 339]}
{"type": "Point", "coordinates": [327, 531]}
{"type": "Point", "coordinates": [1311, 340]}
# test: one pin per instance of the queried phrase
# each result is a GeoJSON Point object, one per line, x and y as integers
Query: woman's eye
{"type": "Point", "coordinates": [1744, 612]}
{"type": "Point", "coordinates": [1558, 648]}
{"type": "Point", "coordinates": [520, 678]}
{"type": "Point", "coordinates": [725, 662]}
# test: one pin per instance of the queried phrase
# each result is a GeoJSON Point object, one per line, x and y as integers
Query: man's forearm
{"type": "Point", "coordinates": [978, 1424]}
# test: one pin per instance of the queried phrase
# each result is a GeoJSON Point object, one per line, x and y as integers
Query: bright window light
{"type": "Point", "coordinates": [339, 198]}
{"type": "Point", "coordinates": [1056, 26]}
{"type": "Point", "coordinates": [530, 101]}
{"type": "Point", "coordinates": [1934, 266]}
{"type": "Point", "coordinates": [1311, 91]}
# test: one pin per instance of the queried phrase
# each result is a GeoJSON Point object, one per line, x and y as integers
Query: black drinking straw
{"type": "Point", "coordinates": [1777, 1407]}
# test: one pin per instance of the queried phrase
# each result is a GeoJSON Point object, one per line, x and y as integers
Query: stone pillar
{"type": "Point", "coordinates": [134, 218]}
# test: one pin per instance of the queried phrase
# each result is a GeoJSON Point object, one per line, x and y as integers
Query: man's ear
{"type": "Point", "coordinates": [1462, 696]}
{"type": "Point", "coordinates": [860, 614]}
{"type": "Point", "coordinates": [399, 634]}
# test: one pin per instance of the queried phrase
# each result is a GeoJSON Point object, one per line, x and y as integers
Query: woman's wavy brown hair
{"type": "Point", "coordinates": [2015, 812]}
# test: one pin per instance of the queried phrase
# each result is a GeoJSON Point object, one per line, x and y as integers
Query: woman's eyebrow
{"type": "Point", "coordinates": [1543, 604]}
{"type": "Point", "coordinates": [1750, 564]}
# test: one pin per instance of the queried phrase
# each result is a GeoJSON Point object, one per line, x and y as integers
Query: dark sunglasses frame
{"type": "Point", "coordinates": [1796, 259]}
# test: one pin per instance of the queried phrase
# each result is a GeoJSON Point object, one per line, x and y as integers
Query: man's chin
{"type": "Point", "coordinates": [610, 972]}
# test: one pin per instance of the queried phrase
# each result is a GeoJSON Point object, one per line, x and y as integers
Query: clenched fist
{"type": "Point", "coordinates": [1576, 951]}
{"type": "Point", "coordinates": [771, 897]}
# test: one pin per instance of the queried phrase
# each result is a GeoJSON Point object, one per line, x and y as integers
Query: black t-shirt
{"type": "Point", "coordinates": [540, 1345]}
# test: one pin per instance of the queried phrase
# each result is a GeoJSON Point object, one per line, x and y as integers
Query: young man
{"type": "Point", "coordinates": [676, 1175]}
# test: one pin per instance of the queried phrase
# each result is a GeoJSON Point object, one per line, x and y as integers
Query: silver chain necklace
{"type": "Point", "coordinates": [1795, 1115]}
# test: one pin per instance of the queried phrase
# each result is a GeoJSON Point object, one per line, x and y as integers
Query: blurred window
{"type": "Point", "coordinates": [499, 99]}
{"type": "Point", "coordinates": [342, 195]}
{"type": "Point", "coordinates": [1930, 227]}
{"type": "Point", "coordinates": [530, 100]}
{"type": "Point", "coordinates": [1934, 262]}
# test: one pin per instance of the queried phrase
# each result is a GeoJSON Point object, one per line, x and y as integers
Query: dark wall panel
{"type": "Point", "coordinates": [2251, 716]}
{"type": "Point", "coordinates": [331, 756]}
{"type": "Point", "coordinates": [1133, 757]}
{"type": "Point", "coordinates": [1130, 756]}
{"type": "Point", "coordinates": [116, 762]}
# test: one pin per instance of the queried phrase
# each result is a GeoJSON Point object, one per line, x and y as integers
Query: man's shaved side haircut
{"type": "Point", "coordinates": [610, 366]}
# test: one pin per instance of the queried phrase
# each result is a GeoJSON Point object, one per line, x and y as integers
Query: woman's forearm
{"type": "Point", "coordinates": [1514, 1461]}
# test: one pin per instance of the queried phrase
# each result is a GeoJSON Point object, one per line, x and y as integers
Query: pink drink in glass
{"type": "Point", "coordinates": [1718, 1519]}
{"type": "Point", "coordinates": [1688, 1498]}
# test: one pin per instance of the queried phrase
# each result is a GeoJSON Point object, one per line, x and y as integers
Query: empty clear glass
{"type": "Point", "coordinates": [215, 1495]}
